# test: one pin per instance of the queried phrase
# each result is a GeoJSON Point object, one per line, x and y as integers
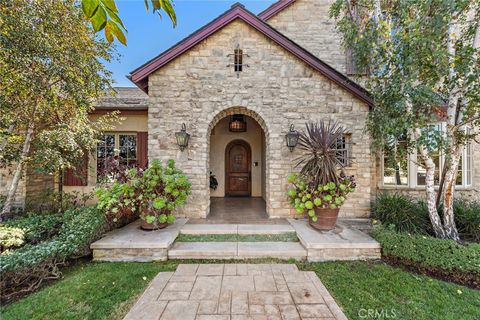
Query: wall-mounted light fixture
{"type": "Point", "coordinates": [292, 138]}
{"type": "Point", "coordinates": [182, 137]}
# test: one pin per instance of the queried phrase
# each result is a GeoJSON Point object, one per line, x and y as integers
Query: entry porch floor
{"type": "Point", "coordinates": [237, 210]}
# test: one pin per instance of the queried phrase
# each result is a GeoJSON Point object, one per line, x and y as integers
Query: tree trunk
{"type": "Point", "coordinates": [451, 231]}
{"type": "Point", "coordinates": [431, 194]}
{"type": "Point", "coordinates": [7, 207]}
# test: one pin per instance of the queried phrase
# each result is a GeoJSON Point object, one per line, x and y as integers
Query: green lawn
{"type": "Point", "coordinates": [107, 291]}
{"type": "Point", "coordinates": [286, 237]}
{"type": "Point", "coordinates": [362, 286]}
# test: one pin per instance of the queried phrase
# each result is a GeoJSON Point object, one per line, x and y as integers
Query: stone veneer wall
{"type": "Point", "coordinates": [307, 22]}
{"type": "Point", "coordinates": [36, 187]}
{"type": "Point", "coordinates": [6, 176]}
{"type": "Point", "coordinates": [276, 90]}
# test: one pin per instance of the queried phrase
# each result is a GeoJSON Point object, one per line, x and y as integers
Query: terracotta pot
{"type": "Point", "coordinates": [327, 219]}
{"type": "Point", "coordinates": [153, 226]}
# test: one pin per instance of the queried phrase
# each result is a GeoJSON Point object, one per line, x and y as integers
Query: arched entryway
{"type": "Point", "coordinates": [237, 159]}
{"type": "Point", "coordinates": [238, 171]}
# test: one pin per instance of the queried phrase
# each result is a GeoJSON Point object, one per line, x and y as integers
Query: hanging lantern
{"type": "Point", "coordinates": [182, 137]}
{"type": "Point", "coordinates": [237, 123]}
{"type": "Point", "coordinates": [292, 138]}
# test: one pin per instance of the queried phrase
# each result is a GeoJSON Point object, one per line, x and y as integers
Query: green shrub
{"type": "Point", "coordinates": [428, 251]}
{"type": "Point", "coordinates": [467, 218]}
{"type": "Point", "coordinates": [79, 228]}
{"type": "Point", "coordinates": [25, 268]}
{"type": "Point", "coordinates": [403, 212]}
{"type": "Point", "coordinates": [37, 228]}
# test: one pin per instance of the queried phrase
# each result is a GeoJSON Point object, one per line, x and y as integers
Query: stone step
{"type": "Point", "coordinates": [243, 229]}
{"type": "Point", "coordinates": [237, 250]}
{"type": "Point", "coordinates": [131, 243]}
{"type": "Point", "coordinates": [342, 243]}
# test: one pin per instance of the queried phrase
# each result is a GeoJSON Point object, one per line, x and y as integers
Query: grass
{"type": "Point", "coordinates": [108, 290]}
{"type": "Point", "coordinates": [285, 237]}
{"type": "Point", "coordinates": [88, 291]}
{"type": "Point", "coordinates": [362, 286]}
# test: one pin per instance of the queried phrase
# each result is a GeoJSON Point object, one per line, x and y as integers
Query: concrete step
{"type": "Point", "coordinates": [237, 250]}
{"type": "Point", "coordinates": [244, 229]}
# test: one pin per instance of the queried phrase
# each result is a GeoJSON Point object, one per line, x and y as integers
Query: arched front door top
{"type": "Point", "coordinates": [238, 180]}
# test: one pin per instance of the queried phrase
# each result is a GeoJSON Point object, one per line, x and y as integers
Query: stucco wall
{"type": "Point", "coordinates": [219, 140]}
{"type": "Point", "coordinates": [128, 123]}
{"type": "Point", "coordinates": [307, 23]}
{"type": "Point", "coordinates": [276, 89]}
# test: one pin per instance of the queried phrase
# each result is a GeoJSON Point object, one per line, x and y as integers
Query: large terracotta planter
{"type": "Point", "coordinates": [153, 226]}
{"type": "Point", "coordinates": [327, 219]}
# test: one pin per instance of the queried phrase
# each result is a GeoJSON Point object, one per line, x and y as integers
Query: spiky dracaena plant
{"type": "Point", "coordinates": [320, 161]}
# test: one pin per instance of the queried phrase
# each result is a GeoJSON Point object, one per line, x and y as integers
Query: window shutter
{"type": "Point", "coordinates": [78, 176]}
{"type": "Point", "coordinates": [142, 149]}
{"type": "Point", "coordinates": [351, 68]}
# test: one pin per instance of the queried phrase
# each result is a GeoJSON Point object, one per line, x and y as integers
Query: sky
{"type": "Point", "coordinates": [148, 35]}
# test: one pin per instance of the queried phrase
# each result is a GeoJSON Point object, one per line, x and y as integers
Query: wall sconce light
{"type": "Point", "coordinates": [292, 138]}
{"type": "Point", "coordinates": [182, 137]}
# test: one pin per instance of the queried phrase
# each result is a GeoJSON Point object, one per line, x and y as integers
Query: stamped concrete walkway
{"type": "Point", "coordinates": [236, 292]}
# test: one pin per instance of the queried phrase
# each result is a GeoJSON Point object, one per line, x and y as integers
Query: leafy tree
{"type": "Point", "coordinates": [423, 66]}
{"type": "Point", "coordinates": [104, 15]}
{"type": "Point", "coordinates": [51, 74]}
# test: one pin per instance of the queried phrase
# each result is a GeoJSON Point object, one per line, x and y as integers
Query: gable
{"type": "Point", "coordinates": [141, 74]}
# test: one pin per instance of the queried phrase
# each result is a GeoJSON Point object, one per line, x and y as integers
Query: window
{"type": "Point", "coordinates": [238, 60]}
{"type": "Point", "coordinates": [342, 150]}
{"type": "Point", "coordinates": [238, 63]}
{"type": "Point", "coordinates": [128, 149]}
{"type": "Point", "coordinates": [105, 150]}
{"type": "Point", "coordinates": [395, 164]}
{"type": "Point", "coordinates": [115, 144]}
{"type": "Point", "coordinates": [352, 69]}
{"type": "Point", "coordinates": [403, 169]}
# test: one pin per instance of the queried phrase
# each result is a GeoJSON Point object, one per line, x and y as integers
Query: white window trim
{"type": "Point", "coordinates": [116, 149]}
{"type": "Point", "coordinates": [412, 170]}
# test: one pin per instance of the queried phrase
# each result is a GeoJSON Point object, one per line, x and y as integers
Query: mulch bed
{"type": "Point", "coordinates": [464, 278]}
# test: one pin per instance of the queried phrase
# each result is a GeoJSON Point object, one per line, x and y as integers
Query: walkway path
{"type": "Point", "coordinates": [236, 292]}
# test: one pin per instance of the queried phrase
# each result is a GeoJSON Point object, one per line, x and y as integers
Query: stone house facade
{"type": "Point", "coordinates": [283, 67]}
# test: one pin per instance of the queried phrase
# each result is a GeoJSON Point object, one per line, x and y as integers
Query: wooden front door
{"type": "Point", "coordinates": [237, 169]}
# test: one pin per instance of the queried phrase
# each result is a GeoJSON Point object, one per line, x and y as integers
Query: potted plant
{"type": "Point", "coordinates": [151, 194]}
{"type": "Point", "coordinates": [161, 190]}
{"type": "Point", "coordinates": [321, 187]}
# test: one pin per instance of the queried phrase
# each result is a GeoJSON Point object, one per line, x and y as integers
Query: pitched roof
{"type": "Point", "coordinates": [274, 9]}
{"type": "Point", "coordinates": [140, 75]}
{"type": "Point", "coordinates": [124, 98]}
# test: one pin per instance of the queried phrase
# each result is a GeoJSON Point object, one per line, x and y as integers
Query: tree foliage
{"type": "Point", "coordinates": [51, 75]}
{"type": "Point", "coordinates": [422, 60]}
{"type": "Point", "coordinates": [104, 15]}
